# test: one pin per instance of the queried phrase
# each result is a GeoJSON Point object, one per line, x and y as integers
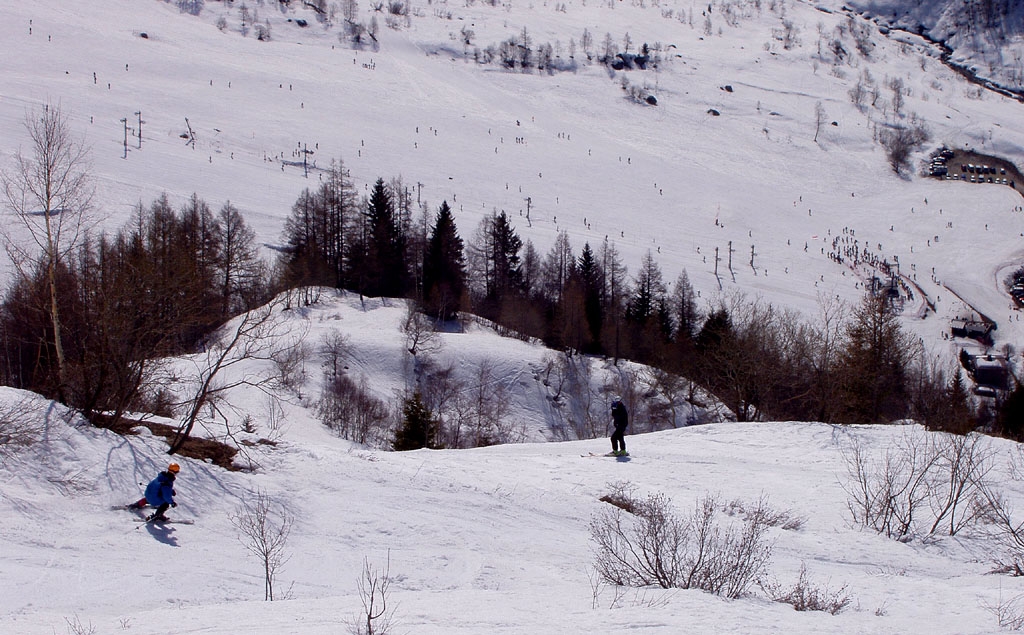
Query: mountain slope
{"type": "Point", "coordinates": [568, 149]}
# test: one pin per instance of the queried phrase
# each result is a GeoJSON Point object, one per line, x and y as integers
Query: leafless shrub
{"type": "Point", "coordinates": [376, 618]}
{"type": "Point", "coordinates": [861, 32]}
{"type": "Point", "coordinates": [622, 496]}
{"type": "Point", "coordinates": [956, 496]}
{"type": "Point", "coordinates": [655, 545]}
{"type": "Point", "coordinates": [21, 425]}
{"type": "Point", "coordinates": [350, 410]}
{"type": "Point", "coordinates": [263, 31]}
{"type": "Point", "coordinates": [275, 419]}
{"type": "Point", "coordinates": [886, 494]}
{"type": "Point", "coordinates": [264, 528]}
{"type": "Point", "coordinates": [291, 365]}
{"type": "Point", "coordinates": [335, 349]}
{"type": "Point", "coordinates": [923, 482]}
{"type": "Point", "coordinates": [804, 595]}
{"type": "Point", "coordinates": [1010, 613]}
{"type": "Point", "coordinates": [75, 626]}
{"type": "Point", "coordinates": [191, 7]}
{"type": "Point", "coordinates": [789, 34]}
{"type": "Point", "coordinates": [487, 404]}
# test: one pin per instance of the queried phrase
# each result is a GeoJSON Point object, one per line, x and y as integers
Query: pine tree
{"type": "Point", "coordinates": [419, 427]}
{"type": "Point", "coordinates": [959, 412]}
{"type": "Point", "coordinates": [590, 276]}
{"type": "Point", "coordinates": [386, 273]}
{"type": "Point", "coordinates": [444, 268]}
{"type": "Point", "coordinates": [497, 266]}
{"type": "Point", "coordinates": [1011, 414]}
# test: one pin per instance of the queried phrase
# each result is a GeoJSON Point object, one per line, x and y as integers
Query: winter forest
{"type": "Point", "coordinates": [390, 263]}
{"type": "Point", "coordinates": [168, 279]}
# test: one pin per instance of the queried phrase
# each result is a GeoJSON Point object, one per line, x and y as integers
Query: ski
{"type": "Point", "coordinates": [609, 454]}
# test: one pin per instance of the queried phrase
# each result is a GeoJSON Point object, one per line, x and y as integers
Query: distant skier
{"type": "Point", "coordinates": [621, 419]}
{"type": "Point", "coordinates": [159, 493]}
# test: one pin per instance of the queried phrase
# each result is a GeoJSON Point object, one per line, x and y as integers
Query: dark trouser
{"type": "Point", "coordinates": [619, 439]}
{"type": "Point", "coordinates": [161, 509]}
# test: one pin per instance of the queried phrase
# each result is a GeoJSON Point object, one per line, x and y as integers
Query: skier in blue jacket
{"type": "Point", "coordinates": [160, 493]}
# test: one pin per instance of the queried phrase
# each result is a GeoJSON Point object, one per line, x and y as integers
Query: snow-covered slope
{"type": "Point", "coordinates": [985, 37]}
{"type": "Point", "coordinates": [568, 146]}
{"type": "Point", "coordinates": [493, 540]}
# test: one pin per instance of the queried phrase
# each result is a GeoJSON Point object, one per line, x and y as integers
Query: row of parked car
{"type": "Point", "coordinates": [1017, 291]}
{"type": "Point", "coordinates": [980, 169]}
{"type": "Point", "coordinates": [939, 167]}
{"type": "Point", "coordinates": [977, 179]}
{"type": "Point", "coordinates": [939, 159]}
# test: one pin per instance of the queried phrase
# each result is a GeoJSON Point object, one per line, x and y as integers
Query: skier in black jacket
{"type": "Point", "coordinates": [621, 419]}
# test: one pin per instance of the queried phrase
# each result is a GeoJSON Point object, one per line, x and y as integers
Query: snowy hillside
{"type": "Point", "coordinates": [985, 37]}
{"type": "Point", "coordinates": [493, 540]}
{"type": "Point", "coordinates": [754, 151]}
{"type": "Point", "coordinates": [569, 148]}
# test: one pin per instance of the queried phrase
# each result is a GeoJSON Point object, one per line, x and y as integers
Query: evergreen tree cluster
{"type": "Point", "coordinates": [167, 279]}
{"type": "Point", "coordinates": [759, 361]}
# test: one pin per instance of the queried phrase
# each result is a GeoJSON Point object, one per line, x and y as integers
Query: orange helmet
{"type": "Point", "coordinates": [173, 468]}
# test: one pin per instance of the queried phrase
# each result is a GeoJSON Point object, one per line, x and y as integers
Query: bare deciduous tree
{"type": "Point", "coordinates": [49, 192]}
{"type": "Point", "coordinates": [21, 425]}
{"type": "Point", "coordinates": [264, 528]}
{"type": "Point", "coordinates": [420, 336]}
{"type": "Point", "coordinates": [820, 116]}
{"type": "Point", "coordinates": [377, 618]}
{"type": "Point", "coordinates": [259, 334]}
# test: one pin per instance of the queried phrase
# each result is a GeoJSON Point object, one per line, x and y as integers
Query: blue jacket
{"type": "Point", "coordinates": [161, 489]}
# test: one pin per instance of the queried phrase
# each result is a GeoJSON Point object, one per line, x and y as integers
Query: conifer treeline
{"type": "Point", "coordinates": [163, 282]}
{"type": "Point", "coordinates": [759, 361]}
